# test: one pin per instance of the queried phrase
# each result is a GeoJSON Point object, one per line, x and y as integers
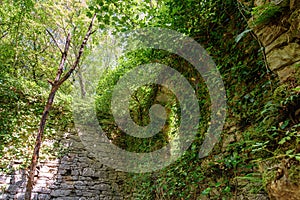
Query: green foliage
{"type": "Point", "coordinates": [249, 87]}
{"type": "Point", "coordinates": [141, 102]}
{"type": "Point", "coordinates": [285, 100]}
{"type": "Point", "coordinates": [29, 57]}
{"type": "Point", "coordinates": [169, 182]}
{"type": "Point", "coordinates": [262, 114]}
{"type": "Point", "coordinates": [120, 16]}
{"type": "Point", "coordinates": [265, 13]}
{"type": "Point", "coordinates": [21, 104]}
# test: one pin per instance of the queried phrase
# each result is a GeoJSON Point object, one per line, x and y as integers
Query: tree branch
{"type": "Point", "coordinates": [63, 59]}
{"type": "Point", "coordinates": [51, 35]}
{"type": "Point", "coordinates": [2, 36]}
{"type": "Point", "coordinates": [83, 44]}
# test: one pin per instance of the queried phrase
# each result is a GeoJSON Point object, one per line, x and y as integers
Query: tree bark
{"type": "Point", "coordinates": [55, 86]}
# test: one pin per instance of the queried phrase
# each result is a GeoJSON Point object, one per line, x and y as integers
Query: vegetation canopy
{"type": "Point", "coordinates": [52, 44]}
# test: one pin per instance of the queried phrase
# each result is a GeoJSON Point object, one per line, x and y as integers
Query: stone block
{"type": "Point", "coordinates": [285, 56]}
{"type": "Point", "coordinates": [88, 172]}
{"type": "Point", "coordinates": [101, 187]}
{"type": "Point", "coordinates": [60, 193]}
{"type": "Point", "coordinates": [87, 193]}
{"type": "Point", "coordinates": [101, 174]}
{"type": "Point", "coordinates": [268, 34]}
{"type": "Point", "coordinates": [287, 72]}
{"type": "Point", "coordinates": [43, 197]}
{"type": "Point", "coordinates": [279, 42]}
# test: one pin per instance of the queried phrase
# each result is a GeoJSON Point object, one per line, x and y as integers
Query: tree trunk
{"type": "Point", "coordinates": [55, 86]}
{"type": "Point", "coordinates": [81, 83]}
{"type": "Point", "coordinates": [38, 143]}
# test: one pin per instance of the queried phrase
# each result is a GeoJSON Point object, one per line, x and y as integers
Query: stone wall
{"type": "Point", "coordinates": [76, 176]}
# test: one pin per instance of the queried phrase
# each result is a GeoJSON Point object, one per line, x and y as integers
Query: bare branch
{"type": "Point", "coordinates": [5, 32]}
{"type": "Point", "coordinates": [51, 35]}
{"type": "Point", "coordinates": [63, 59]}
{"type": "Point", "coordinates": [93, 32]}
{"type": "Point", "coordinates": [51, 82]}
{"type": "Point", "coordinates": [83, 44]}
{"type": "Point", "coordinates": [3, 35]}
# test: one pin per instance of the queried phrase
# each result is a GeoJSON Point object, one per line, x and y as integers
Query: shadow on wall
{"type": "Point", "coordinates": [77, 176]}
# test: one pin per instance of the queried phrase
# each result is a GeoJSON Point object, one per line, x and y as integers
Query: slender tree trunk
{"type": "Point", "coordinates": [38, 143]}
{"type": "Point", "coordinates": [81, 83]}
{"type": "Point", "coordinates": [55, 86]}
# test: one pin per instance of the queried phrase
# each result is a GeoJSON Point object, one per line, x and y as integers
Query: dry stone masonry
{"type": "Point", "coordinates": [76, 176]}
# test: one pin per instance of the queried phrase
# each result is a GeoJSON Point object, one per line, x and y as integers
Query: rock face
{"type": "Point", "coordinates": [77, 176]}
{"type": "Point", "coordinates": [281, 188]}
{"type": "Point", "coordinates": [281, 38]}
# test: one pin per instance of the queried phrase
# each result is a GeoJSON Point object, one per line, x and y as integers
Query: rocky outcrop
{"type": "Point", "coordinates": [76, 176]}
{"type": "Point", "coordinates": [281, 37]}
{"type": "Point", "coordinates": [282, 188]}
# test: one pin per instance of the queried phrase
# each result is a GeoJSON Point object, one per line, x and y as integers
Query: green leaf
{"type": "Point", "coordinates": [288, 152]}
{"type": "Point", "coordinates": [297, 89]}
{"type": "Point", "coordinates": [282, 141]}
{"type": "Point", "coordinates": [284, 124]}
{"type": "Point", "coordinates": [206, 191]}
{"type": "Point", "coordinates": [241, 35]}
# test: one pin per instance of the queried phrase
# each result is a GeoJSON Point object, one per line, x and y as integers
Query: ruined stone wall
{"type": "Point", "coordinates": [76, 176]}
